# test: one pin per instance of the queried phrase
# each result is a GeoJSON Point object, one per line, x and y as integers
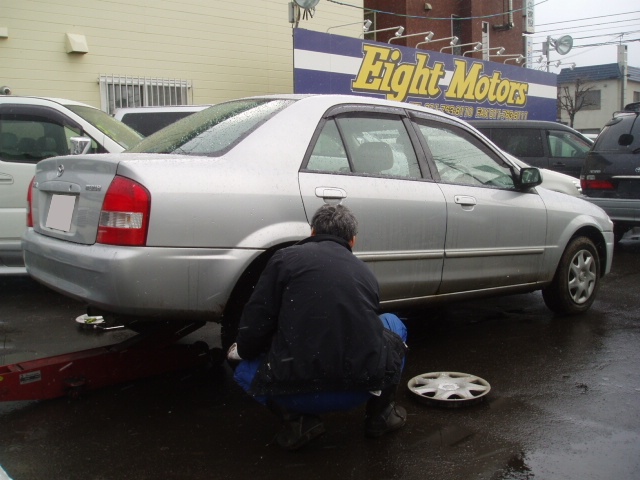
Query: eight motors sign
{"type": "Point", "coordinates": [461, 86]}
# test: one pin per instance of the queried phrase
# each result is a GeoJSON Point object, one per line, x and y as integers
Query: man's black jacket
{"type": "Point", "coordinates": [314, 312]}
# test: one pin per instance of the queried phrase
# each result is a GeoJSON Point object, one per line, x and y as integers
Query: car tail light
{"type": "Point", "coordinates": [124, 219]}
{"type": "Point", "coordinates": [29, 200]}
{"type": "Point", "coordinates": [588, 184]}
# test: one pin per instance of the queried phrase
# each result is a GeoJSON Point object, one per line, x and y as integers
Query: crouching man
{"type": "Point", "coordinates": [310, 339]}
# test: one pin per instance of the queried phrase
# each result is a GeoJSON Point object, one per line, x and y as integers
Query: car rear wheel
{"type": "Point", "coordinates": [577, 279]}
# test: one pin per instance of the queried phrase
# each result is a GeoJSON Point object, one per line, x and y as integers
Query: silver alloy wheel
{"type": "Point", "coordinates": [449, 389]}
{"type": "Point", "coordinates": [582, 276]}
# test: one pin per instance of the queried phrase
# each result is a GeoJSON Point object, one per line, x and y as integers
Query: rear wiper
{"type": "Point", "coordinates": [637, 150]}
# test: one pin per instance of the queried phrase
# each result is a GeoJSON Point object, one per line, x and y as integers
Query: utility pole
{"type": "Point", "coordinates": [622, 64]}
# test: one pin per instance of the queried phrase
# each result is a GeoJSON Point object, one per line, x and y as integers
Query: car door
{"type": "Point", "coordinates": [495, 233]}
{"type": "Point", "coordinates": [567, 152]}
{"type": "Point", "coordinates": [367, 160]}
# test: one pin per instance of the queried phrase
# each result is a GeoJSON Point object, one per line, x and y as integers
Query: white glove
{"type": "Point", "coordinates": [232, 354]}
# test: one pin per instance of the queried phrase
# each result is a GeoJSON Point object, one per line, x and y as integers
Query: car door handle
{"type": "Point", "coordinates": [330, 193]}
{"type": "Point", "coordinates": [6, 179]}
{"type": "Point", "coordinates": [464, 200]}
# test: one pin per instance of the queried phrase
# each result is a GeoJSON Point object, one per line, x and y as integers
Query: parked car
{"type": "Point", "coordinates": [541, 144]}
{"type": "Point", "coordinates": [148, 120]}
{"type": "Point", "coordinates": [611, 174]}
{"type": "Point", "coordinates": [34, 128]}
{"type": "Point", "coordinates": [180, 226]}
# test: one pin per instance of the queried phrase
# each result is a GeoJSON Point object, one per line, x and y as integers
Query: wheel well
{"type": "Point", "coordinates": [596, 237]}
{"type": "Point", "coordinates": [241, 293]}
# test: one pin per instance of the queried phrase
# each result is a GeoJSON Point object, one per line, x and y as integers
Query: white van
{"type": "Point", "coordinates": [148, 120]}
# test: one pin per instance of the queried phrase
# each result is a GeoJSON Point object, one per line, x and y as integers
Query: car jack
{"type": "Point", "coordinates": [152, 352]}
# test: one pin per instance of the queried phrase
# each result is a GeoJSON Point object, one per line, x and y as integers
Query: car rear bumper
{"type": "Point", "coordinates": [133, 280]}
{"type": "Point", "coordinates": [619, 209]}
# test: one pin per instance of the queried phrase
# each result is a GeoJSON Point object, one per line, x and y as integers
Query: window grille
{"type": "Point", "coordinates": [118, 91]}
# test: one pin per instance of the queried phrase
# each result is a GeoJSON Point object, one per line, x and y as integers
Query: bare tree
{"type": "Point", "coordinates": [573, 102]}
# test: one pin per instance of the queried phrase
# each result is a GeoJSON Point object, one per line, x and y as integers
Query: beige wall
{"type": "Point", "coordinates": [227, 49]}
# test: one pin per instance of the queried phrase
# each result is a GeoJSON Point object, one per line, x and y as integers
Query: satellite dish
{"type": "Point", "coordinates": [563, 44]}
{"type": "Point", "coordinates": [306, 4]}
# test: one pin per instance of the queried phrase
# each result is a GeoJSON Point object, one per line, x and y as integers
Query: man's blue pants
{"type": "Point", "coordinates": [315, 402]}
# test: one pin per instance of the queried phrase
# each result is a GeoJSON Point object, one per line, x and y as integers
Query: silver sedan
{"type": "Point", "coordinates": [181, 226]}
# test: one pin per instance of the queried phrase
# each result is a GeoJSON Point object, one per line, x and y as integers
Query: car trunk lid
{"type": "Point", "coordinates": [68, 193]}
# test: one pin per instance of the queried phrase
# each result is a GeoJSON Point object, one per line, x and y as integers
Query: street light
{"type": "Point", "coordinates": [429, 36]}
{"type": "Point", "coordinates": [400, 31]}
{"type": "Point", "coordinates": [365, 27]}
{"type": "Point", "coordinates": [476, 46]}
{"type": "Point", "coordinates": [454, 41]}
{"type": "Point", "coordinates": [500, 50]}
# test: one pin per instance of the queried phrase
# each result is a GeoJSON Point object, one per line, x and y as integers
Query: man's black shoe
{"type": "Point", "coordinates": [297, 433]}
{"type": "Point", "coordinates": [392, 418]}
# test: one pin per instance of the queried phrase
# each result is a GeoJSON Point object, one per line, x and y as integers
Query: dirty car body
{"type": "Point", "coordinates": [181, 226]}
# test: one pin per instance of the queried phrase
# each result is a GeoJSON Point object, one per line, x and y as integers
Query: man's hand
{"type": "Point", "coordinates": [232, 354]}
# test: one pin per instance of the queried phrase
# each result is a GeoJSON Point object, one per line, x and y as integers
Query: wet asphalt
{"type": "Point", "coordinates": [564, 400]}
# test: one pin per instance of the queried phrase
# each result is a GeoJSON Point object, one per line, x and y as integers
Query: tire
{"type": "Point", "coordinates": [577, 279]}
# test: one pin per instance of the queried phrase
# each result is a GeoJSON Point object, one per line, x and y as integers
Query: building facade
{"type": "Point", "coordinates": [494, 24]}
{"type": "Point", "coordinates": [136, 52]}
{"type": "Point", "coordinates": [606, 88]}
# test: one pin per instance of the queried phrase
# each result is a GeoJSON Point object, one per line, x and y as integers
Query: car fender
{"type": "Point", "coordinates": [563, 223]}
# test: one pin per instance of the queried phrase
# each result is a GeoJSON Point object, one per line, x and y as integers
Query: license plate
{"type": "Point", "coordinates": [60, 212]}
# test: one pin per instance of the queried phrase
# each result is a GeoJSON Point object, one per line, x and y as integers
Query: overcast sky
{"type": "Point", "coordinates": [589, 22]}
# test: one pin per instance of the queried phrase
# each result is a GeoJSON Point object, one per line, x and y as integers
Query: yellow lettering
{"type": "Point", "coordinates": [463, 83]}
{"type": "Point", "coordinates": [368, 78]}
{"type": "Point", "coordinates": [382, 71]}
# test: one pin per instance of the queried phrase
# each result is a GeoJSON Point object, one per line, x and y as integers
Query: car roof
{"type": "Point", "coordinates": [164, 108]}
{"type": "Point", "coordinates": [34, 100]}
{"type": "Point", "coordinates": [330, 100]}
{"type": "Point", "coordinates": [520, 124]}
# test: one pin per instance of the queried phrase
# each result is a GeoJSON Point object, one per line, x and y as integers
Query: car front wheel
{"type": "Point", "coordinates": [577, 279]}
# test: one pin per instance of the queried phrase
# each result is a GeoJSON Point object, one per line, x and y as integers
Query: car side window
{"type": "Point", "coordinates": [461, 158]}
{"type": "Point", "coordinates": [364, 143]}
{"type": "Point", "coordinates": [519, 142]}
{"type": "Point", "coordinates": [566, 144]}
{"type": "Point", "coordinates": [29, 139]}
{"type": "Point", "coordinates": [329, 154]}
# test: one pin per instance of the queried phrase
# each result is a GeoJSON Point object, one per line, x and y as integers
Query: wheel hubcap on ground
{"type": "Point", "coordinates": [450, 389]}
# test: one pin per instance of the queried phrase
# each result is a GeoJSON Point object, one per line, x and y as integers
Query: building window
{"type": "Point", "coordinates": [636, 97]}
{"type": "Point", "coordinates": [121, 91]}
{"type": "Point", "coordinates": [591, 100]}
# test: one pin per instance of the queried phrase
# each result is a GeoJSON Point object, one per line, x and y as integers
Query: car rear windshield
{"type": "Point", "coordinates": [112, 128]}
{"type": "Point", "coordinates": [213, 131]}
{"type": "Point", "coordinates": [620, 125]}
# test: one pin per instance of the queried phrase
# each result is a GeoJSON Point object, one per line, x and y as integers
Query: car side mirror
{"type": "Point", "coordinates": [529, 177]}
{"type": "Point", "coordinates": [80, 145]}
{"type": "Point", "coordinates": [625, 140]}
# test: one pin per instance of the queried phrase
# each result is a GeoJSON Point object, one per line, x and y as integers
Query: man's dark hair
{"type": "Point", "coordinates": [335, 220]}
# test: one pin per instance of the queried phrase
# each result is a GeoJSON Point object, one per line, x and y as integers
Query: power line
{"type": "Point", "coordinates": [590, 25]}
{"type": "Point", "coordinates": [587, 18]}
{"type": "Point", "coordinates": [606, 34]}
{"type": "Point", "coordinates": [448, 19]}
